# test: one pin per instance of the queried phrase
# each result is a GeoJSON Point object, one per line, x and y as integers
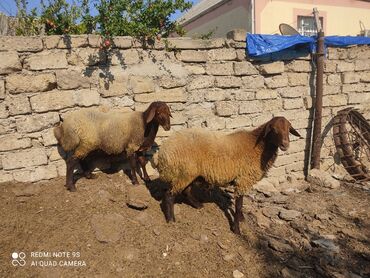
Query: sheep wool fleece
{"type": "Point", "coordinates": [112, 132]}
{"type": "Point", "coordinates": [218, 157]}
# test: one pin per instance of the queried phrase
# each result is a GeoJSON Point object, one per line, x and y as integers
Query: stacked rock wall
{"type": "Point", "coordinates": [207, 83]}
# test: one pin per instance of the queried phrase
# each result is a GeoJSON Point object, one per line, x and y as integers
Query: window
{"type": "Point", "coordinates": [306, 25]}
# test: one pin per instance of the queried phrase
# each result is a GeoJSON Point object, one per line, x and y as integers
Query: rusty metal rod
{"type": "Point", "coordinates": [320, 55]}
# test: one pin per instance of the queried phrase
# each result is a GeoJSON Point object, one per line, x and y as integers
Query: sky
{"type": "Point", "coordinates": [9, 7]}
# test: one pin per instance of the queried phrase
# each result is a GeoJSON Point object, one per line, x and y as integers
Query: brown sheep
{"type": "Point", "coordinates": [113, 132]}
{"type": "Point", "coordinates": [241, 158]}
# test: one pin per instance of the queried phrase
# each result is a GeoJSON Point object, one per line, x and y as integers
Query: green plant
{"type": "Point", "coordinates": [146, 19]}
{"type": "Point", "coordinates": [29, 24]}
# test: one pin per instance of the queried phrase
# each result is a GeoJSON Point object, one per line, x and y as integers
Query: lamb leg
{"type": "Point", "coordinates": [142, 162]}
{"type": "Point", "coordinates": [133, 169]}
{"type": "Point", "coordinates": [169, 202]}
{"type": "Point", "coordinates": [191, 199]}
{"type": "Point", "coordinates": [238, 214]}
{"type": "Point", "coordinates": [71, 162]}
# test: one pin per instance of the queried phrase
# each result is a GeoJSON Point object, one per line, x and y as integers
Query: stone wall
{"type": "Point", "coordinates": [207, 83]}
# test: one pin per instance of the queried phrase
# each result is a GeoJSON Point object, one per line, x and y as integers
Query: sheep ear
{"type": "Point", "coordinates": [267, 129]}
{"type": "Point", "coordinates": [149, 115]}
{"type": "Point", "coordinates": [294, 132]}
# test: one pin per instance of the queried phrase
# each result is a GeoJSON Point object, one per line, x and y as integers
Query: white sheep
{"type": "Point", "coordinates": [113, 132]}
{"type": "Point", "coordinates": [241, 158]}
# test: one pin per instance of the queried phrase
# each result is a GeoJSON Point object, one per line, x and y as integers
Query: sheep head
{"type": "Point", "coordinates": [159, 112]}
{"type": "Point", "coordinates": [276, 131]}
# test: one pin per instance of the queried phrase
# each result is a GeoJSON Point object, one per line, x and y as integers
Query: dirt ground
{"type": "Point", "coordinates": [315, 232]}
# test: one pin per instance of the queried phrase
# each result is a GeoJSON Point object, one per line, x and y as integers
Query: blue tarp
{"type": "Point", "coordinates": [258, 45]}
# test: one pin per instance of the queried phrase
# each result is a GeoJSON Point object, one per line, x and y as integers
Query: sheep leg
{"type": "Point", "coordinates": [71, 162]}
{"type": "Point", "coordinates": [190, 198]}
{"type": "Point", "coordinates": [142, 162]}
{"type": "Point", "coordinates": [86, 169]}
{"type": "Point", "coordinates": [133, 169]}
{"type": "Point", "coordinates": [238, 214]}
{"type": "Point", "coordinates": [169, 203]}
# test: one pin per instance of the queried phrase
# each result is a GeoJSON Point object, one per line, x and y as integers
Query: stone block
{"type": "Point", "coordinates": [48, 137]}
{"type": "Point", "coordinates": [94, 40]}
{"type": "Point", "coordinates": [238, 122]}
{"type": "Point", "coordinates": [261, 119]}
{"type": "Point", "coordinates": [244, 68]}
{"type": "Point", "coordinates": [249, 107]}
{"type": "Point", "coordinates": [200, 82]}
{"type": "Point", "coordinates": [216, 123]}
{"type": "Point", "coordinates": [72, 79]}
{"type": "Point", "coordinates": [4, 112]}
{"type": "Point", "coordinates": [294, 92]}
{"type": "Point", "coordinates": [114, 83]}
{"type": "Point", "coordinates": [9, 62]}
{"type": "Point", "coordinates": [2, 89]}
{"type": "Point", "coordinates": [52, 101]}
{"type": "Point", "coordinates": [195, 69]}
{"type": "Point", "coordinates": [293, 103]}
{"type": "Point", "coordinates": [215, 94]}
{"type": "Point", "coordinates": [171, 95]}
{"type": "Point", "coordinates": [188, 43]}
{"type": "Point", "coordinates": [330, 66]}
{"type": "Point", "coordinates": [86, 97]}
{"type": "Point", "coordinates": [276, 81]}
{"type": "Point", "coordinates": [228, 82]}
{"type": "Point", "coordinates": [334, 100]}
{"type": "Point", "coordinates": [272, 68]}
{"type": "Point", "coordinates": [38, 122]}
{"type": "Point", "coordinates": [222, 54]}
{"type": "Point", "coordinates": [30, 83]}
{"type": "Point", "coordinates": [87, 57]}
{"type": "Point", "coordinates": [350, 77]}
{"type": "Point", "coordinates": [266, 94]}
{"type": "Point", "coordinates": [364, 77]}
{"type": "Point", "coordinates": [253, 82]}
{"type": "Point", "coordinates": [245, 95]}
{"type": "Point", "coordinates": [53, 59]}
{"type": "Point", "coordinates": [354, 98]}
{"type": "Point", "coordinates": [297, 79]}
{"type": "Point", "coordinates": [13, 142]}
{"type": "Point", "coordinates": [192, 56]}
{"type": "Point", "coordinates": [331, 90]}
{"type": "Point", "coordinates": [169, 82]}
{"type": "Point", "coordinates": [5, 177]}
{"type": "Point", "coordinates": [141, 84]}
{"type": "Point", "coordinates": [126, 57]}
{"type": "Point", "coordinates": [362, 64]}
{"type": "Point", "coordinates": [334, 79]}
{"type": "Point", "coordinates": [213, 68]}
{"type": "Point", "coordinates": [40, 173]}
{"type": "Point", "coordinates": [24, 158]}
{"type": "Point", "coordinates": [299, 66]}
{"type": "Point", "coordinates": [122, 42]}
{"type": "Point", "coordinates": [18, 105]}
{"type": "Point", "coordinates": [226, 108]}
{"type": "Point", "coordinates": [237, 35]}
{"type": "Point", "coordinates": [343, 66]}
{"type": "Point", "coordinates": [271, 105]}
{"type": "Point", "coordinates": [20, 43]}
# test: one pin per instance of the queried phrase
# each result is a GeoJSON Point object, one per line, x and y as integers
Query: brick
{"type": "Point", "coordinates": [122, 42]}
{"type": "Point", "coordinates": [354, 98]}
{"type": "Point", "coordinates": [21, 44]}
{"type": "Point", "coordinates": [12, 142]}
{"type": "Point", "coordinates": [141, 84]}
{"type": "Point", "coordinates": [350, 77]}
{"type": "Point", "coordinates": [219, 68]}
{"type": "Point", "coordinates": [331, 90]}
{"type": "Point", "coordinates": [192, 56]}
{"type": "Point", "coordinates": [171, 95]}
{"type": "Point", "coordinates": [299, 66]}
{"type": "Point", "coordinates": [244, 68]}
{"type": "Point", "coordinates": [226, 108]}
{"type": "Point", "coordinates": [40, 173]}
{"type": "Point", "coordinates": [46, 60]}
{"type": "Point", "coordinates": [2, 89]}
{"type": "Point", "coordinates": [276, 81]}
{"type": "Point", "coordinates": [30, 83]}
{"type": "Point", "coordinates": [169, 82]}
{"type": "Point", "coordinates": [228, 82]}
{"type": "Point", "coordinates": [253, 82]}
{"type": "Point", "coordinates": [48, 137]}
{"type": "Point", "coordinates": [86, 97]}
{"type": "Point", "coordinates": [272, 68]}
{"type": "Point", "coordinates": [334, 79]}
{"type": "Point", "coordinates": [345, 66]}
{"type": "Point", "coordinates": [9, 62]}
{"type": "Point", "coordinates": [330, 66]}
{"type": "Point", "coordinates": [249, 107]}
{"type": "Point", "coordinates": [334, 100]}
{"type": "Point", "coordinates": [18, 105]}
{"type": "Point", "coordinates": [363, 64]}
{"type": "Point", "coordinates": [114, 84]}
{"type": "Point", "coordinates": [364, 77]}
{"type": "Point", "coordinates": [266, 94]}
{"type": "Point", "coordinates": [238, 122]}
{"type": "Point", "coordinates": [271, 105]}
{"type": "Point", "coordinates": [200, 82]}
{"type": "Point", "coordinates": [65, 42]}
{"type": "Point", "coordinates": [196, 96]}
{"type": "Point", "coordinates": [126, 57]}
{"type": "Point", "coordinates": [86, 57]}
{"type": "Point", "coordinates": [72, 79]}
{"type": "Point", "coordinates": [297, 79]}
{"type": "Point", "coordinates": [294, 92]}
{"type": "Point", "coordinates": [25, 158]}
{"type": "Point", "coordinates": [293, 103]}
{"type": "Point", "coordinates": [216, 123]}
{"type": "Point", "coordinates": [353, 87]}
{"type": "Point", "coordinates": [38, 122]}
{"type": "Point", "coordinates": [222, 54]}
